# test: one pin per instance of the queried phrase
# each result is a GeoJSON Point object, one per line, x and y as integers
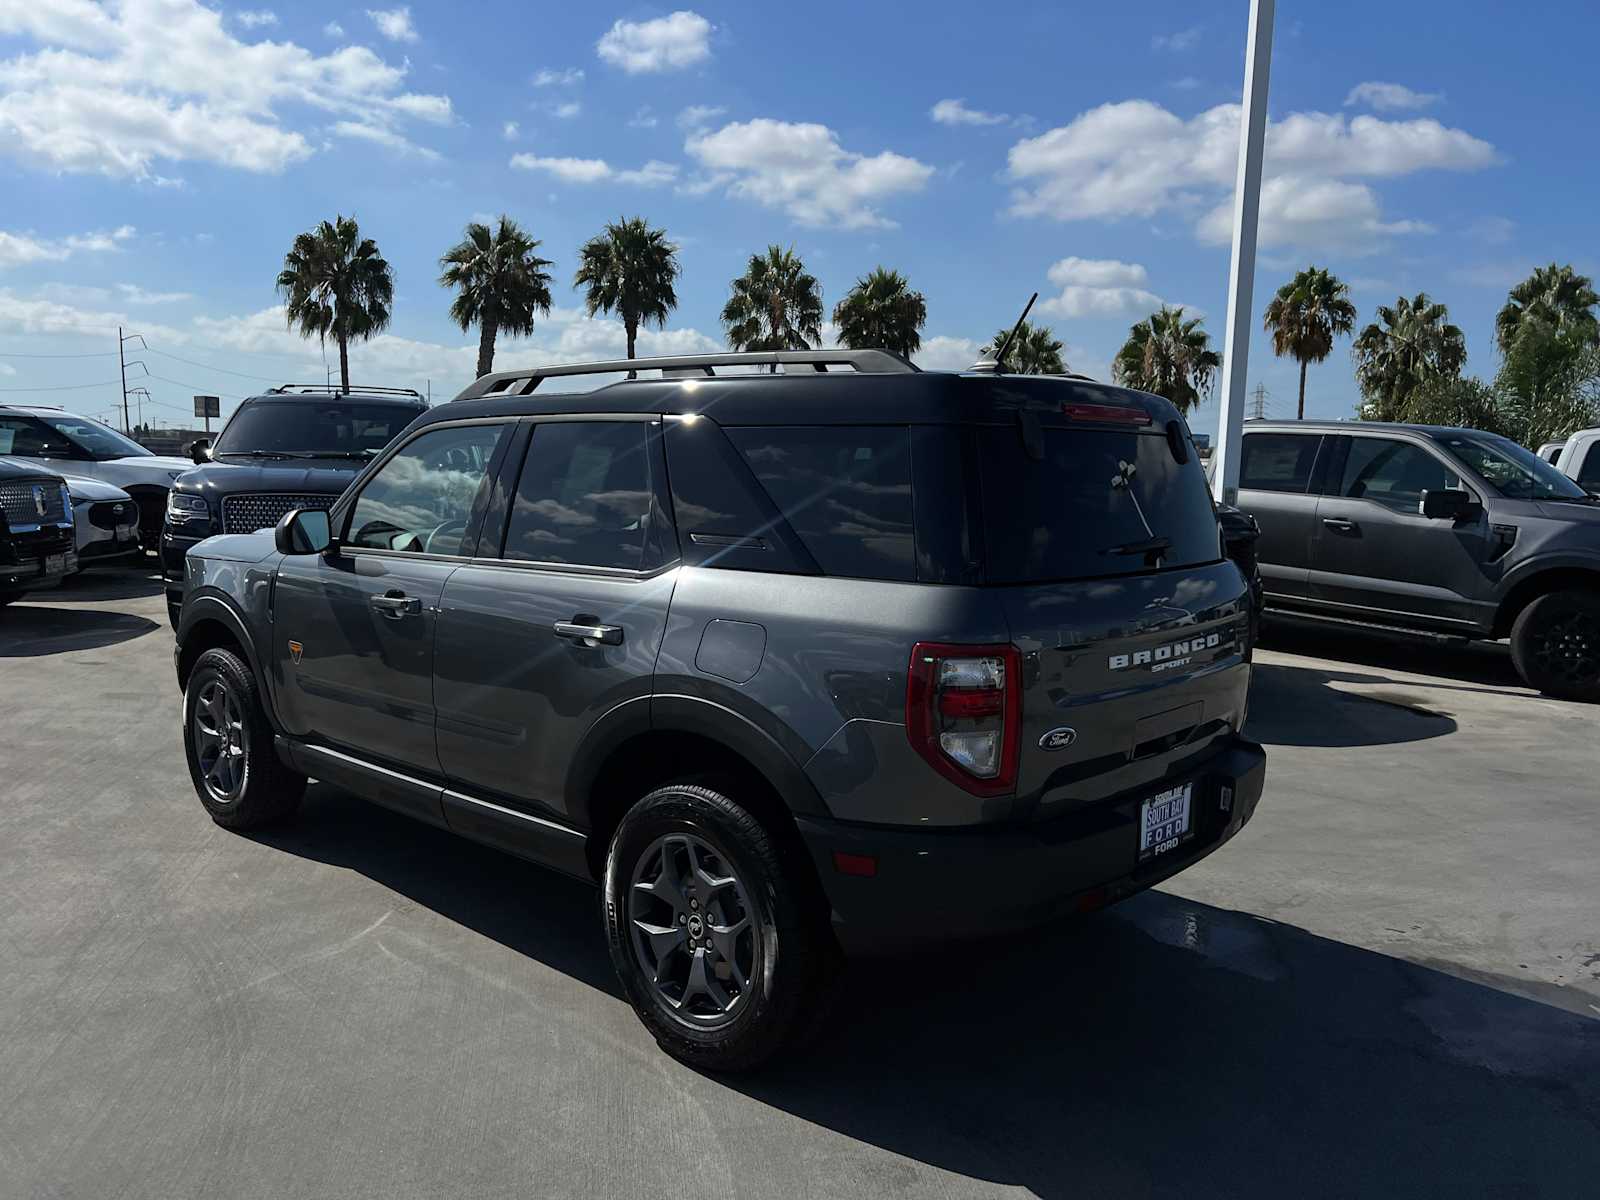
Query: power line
{"type": "Point", "coordinates": [200, 387]}
{"type": "Point", "coordinates": [65, 387]}
{"type": "Point", "coordinates": [221, 370]}
{"type": "Point", "coordinates": [96, 354]}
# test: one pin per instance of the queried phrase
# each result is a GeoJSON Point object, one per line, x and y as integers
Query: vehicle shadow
{"type": "Point", "coordinates": [32, 630]}
{"type": "Point", "coordinates": [1291, 705]}
{"type": "Point", "coordinates": [1486, 663]}
{"type": "Point", "coordinates": [1164, 1047]}
{"type": "Point", "coordinates": [113, 583]}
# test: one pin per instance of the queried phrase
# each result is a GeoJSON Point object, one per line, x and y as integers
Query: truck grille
{"type": "Point", "coordinates": [263, 510]}
{"type": "Point", "coordinates": [32, 502]}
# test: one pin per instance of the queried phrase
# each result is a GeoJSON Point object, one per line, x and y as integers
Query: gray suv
{"type": "Point", "coordinates": [790, 652]}
{"type": "Point", "coordinates": [1434, 530]}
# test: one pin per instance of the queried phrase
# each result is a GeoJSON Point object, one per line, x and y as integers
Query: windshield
{"type": "Point", "coordinates": [99, 440]}
{"type": "Point", "coordinates": [1514, 472]}
{"type": "Point", "coordinates": [302, 427]}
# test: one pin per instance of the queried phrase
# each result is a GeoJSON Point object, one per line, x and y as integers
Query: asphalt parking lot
{"type": "Point", "coordinates": [1389, 984]}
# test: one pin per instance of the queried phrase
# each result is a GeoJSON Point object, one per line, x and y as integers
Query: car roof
{"type": "Point", "coordinates": [412, 400]}
{"type": "Point", "coordinates": [1313, 426]}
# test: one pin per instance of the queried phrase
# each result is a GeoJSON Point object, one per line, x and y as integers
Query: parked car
{"type": "Point", "coordinates": [105, 519]}
{"type": "Point", "coordinates": [1580, 459]}
{"type": "Point", "coordinates": [63, 441]}
{"type": "Point", "coordinates": [1550, 451]}
{"type": "Point", "coordinates": [36, 534]}
{"type": "Point", "coordinates": [1430, 529]}
{"type": "Point", "coordinates": [851, 655]}
{"type": "Point", "coordinates": [297, 446]}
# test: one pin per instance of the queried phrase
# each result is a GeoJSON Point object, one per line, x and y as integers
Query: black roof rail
{"type": "Point", "coordinates": [520, 383]}
{"type": "Point", "coordinates": [334, 389]}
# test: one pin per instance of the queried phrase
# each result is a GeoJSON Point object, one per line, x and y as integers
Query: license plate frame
{"type": "Point", "coordinates": [54, 564]}
{"type": "Point", "coordinates": [1166, 821]}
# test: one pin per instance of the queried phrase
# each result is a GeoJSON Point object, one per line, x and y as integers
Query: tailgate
{"type": "Point", "coordinates": [1123, 679]}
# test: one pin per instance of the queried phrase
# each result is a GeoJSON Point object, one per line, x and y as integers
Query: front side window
{"type": "Point", "coordinates": [1278, 462]}
{"type": "Point", "coordinates": [421, 501]}
{"type": "Point", "coordinates": [1393, 474]}
{"type": "Point", "coordinates": [32, 439]}
{"type": "Point", "coordinates": [1589, 472]}
{"type": "Point", "coordinates": [1514, 472]}
{"type": "Point", "coordinates": [94, 439]}
{"type": "Point", "coordinates": [585, 495]}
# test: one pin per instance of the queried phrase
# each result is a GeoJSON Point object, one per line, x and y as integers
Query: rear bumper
{"type": "Point", "coordinates": [936, 886]}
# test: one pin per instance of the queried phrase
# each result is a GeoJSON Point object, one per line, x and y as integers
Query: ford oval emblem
{"type": "Point", "coordinates": [1058, 739]}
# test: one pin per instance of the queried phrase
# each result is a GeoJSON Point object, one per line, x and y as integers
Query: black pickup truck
{"type": "Point", "coordinates": [37, 544]}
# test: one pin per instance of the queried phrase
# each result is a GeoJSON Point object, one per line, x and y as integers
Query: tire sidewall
{"type": "Point", "coordinates": [218, 665]}
{"type": "Point", "coordinates": [1528, 624]}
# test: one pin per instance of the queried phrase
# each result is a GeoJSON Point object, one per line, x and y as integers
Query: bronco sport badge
{"type": "Point", "coordinates": [1164, 658]}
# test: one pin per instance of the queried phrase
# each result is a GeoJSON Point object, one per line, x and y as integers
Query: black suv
{"type": "Point", "coordinates": [847, 655]}
{"type": "Point", "coordinates": [1437, 530]}
{"type": "Point", "coordinates": [297, 446]}
{"type": "Point", "coordinates": [38, 546]}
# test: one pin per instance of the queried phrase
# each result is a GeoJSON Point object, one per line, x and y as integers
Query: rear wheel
{"type": "Point", "coordinates": [228, 743]}
{"type": "Point", "coordinates": [717, 940]}
{"type": "Point", "coordinates": [1555, 644]}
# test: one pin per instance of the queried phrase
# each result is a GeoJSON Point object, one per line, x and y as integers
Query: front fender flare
{"type": "Point", "coordinates": [208, 605]}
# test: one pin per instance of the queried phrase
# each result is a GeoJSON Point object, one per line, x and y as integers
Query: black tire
{"type": "Point", "coordinates": [7, 597]}
{"type": "Point", "coordinates": [792, 956]}
{"type": "Point", "coordinates": [174, 611]}
{"type": "Point", "coordinates": [238, 777]}
{"type": "Point", "coordinates": [1555, 645]}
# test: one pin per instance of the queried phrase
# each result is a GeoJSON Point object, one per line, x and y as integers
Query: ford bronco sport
{"type": "Point", "coordinates": [788, 651]}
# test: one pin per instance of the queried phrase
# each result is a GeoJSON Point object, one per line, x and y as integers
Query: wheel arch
{"type": "Point", "coordinates": [209, 622]}
{"type": "Point", "coordinates": [1541, 582]}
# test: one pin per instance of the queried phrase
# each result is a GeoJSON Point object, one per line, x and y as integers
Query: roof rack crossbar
{"type": "Point", "coordinates": [678, 366]}
{"type": "Point", "coordinates": [334, 389]}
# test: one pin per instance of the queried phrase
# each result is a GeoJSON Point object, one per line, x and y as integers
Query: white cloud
{"type": "Point", "coordinates": [32, 315]}
{"type": "Point", "coordinates": [956, 112]}
{"type": "Point", "coordinates": [665, 44]}
{"type": "Point", "coordinates": [394, 23]}
{"type": "Point", "coordinates": [333, 29]}
{"type": "Point", "coordinates": [1099, 287]}
{"type": "Point", "coordinates": [21, 249]}
{"type": "Point", "coordinates": [568, 78]}
{"type": "Point", "coordinates": [1186, 83]}
{"type": "Point", "coordinates": [7, 369]}
{"type": "Point", "coordinates": [1183, 39]}
{"type": "Point", "coordinates": [380, 135]}
{"type": "Point", "coordinates": [509, 131]}
{"type": "Point", "coordinates": [802, 169]}
{"type": "Point", "coordinates": [643, 118]}
{"type": "Point", "coordinates": [134, 294]}
{"type": "Point", "coordinates": [116, 90]}
{"type": "Point", "coordinates": [699, 116]}
{"type": "Point", "coordinates": [566, 110]}
{"type": "Point", "coordinates": [596, 170]}
{"type": "Point", "coordinates": [256, 18]}
{"type": "Point", "coordinates": [1389, 97]}
{"type": "Point", "coordinates": [1135, 158]}
{"type": "Point", "coordinates": [944, 353]}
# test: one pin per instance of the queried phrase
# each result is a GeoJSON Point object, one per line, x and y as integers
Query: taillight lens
{"type": "Point", "coordinates": [964, 713]}
{"type": "Point", "coordinates": [1109, 414]}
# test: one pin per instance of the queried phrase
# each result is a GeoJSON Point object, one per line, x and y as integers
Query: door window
{"type": "Point", "coordinates": [32, 439]}
{"type": "Point", "coordinates": [585, 495]}
{"type": "Point", "coordinates": [421, 500]}
{"type": "Point", "coordinates": [1393, 474]}
{"type": "Point", "coordinates": [1589, 473]}
{"type": "Point", "coordinates": [1278, 462]}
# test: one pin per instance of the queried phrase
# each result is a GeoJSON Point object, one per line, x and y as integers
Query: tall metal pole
{"type": "Point", "coordinates": [1242, 268]}
{"type": "Point", "coordinates": [122, 341]}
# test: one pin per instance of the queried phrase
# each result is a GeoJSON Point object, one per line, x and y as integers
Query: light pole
{"type": "Point", "coordinates": [1242, 266]}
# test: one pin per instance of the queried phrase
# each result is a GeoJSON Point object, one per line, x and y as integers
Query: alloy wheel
{"type": "Point", "coordinates": [219, 741]}
{"type": "Point", "coordinates": [1568, 645]}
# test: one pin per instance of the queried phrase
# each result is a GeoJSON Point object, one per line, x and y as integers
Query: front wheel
{"type": "Point", "coordinates": [228, 743]}
{"type": "Point", "coordinates": [1555, 645]}
{"type": "Point", "coordinates": [720, 946]}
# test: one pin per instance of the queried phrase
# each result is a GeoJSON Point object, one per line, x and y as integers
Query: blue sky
{"type": "Point", "coordinates": [158, 156]}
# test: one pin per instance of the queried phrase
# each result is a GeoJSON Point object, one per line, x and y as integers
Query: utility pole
{"type": "Point", "coordinates": [1242, 266]}
{"type": "Point", "coordinates": [122, 341]}
{"type": "Point", "coordinates": [1258, 404]}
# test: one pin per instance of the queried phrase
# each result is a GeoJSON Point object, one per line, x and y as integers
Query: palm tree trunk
{"type": "Point", "coordinates": [1302, 416]}
{"type": "Point", "coordinates": [631, 325]}
{"type": "Point", "coordinates": [486, 335]}
{"type": "Point", "coordinates": [344, 362]}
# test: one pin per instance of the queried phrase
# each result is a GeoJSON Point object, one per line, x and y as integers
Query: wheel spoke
{"type": "Point", "coordinates": [664, 939]}
{"type": "Point", "coordinates": [701, 983]}
{"type": "Point", "coordinates": [726, 939]}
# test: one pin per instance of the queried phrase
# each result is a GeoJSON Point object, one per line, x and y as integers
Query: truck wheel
{"type": "Point", "coordinates": [227, 741]}
{"type": "Point", "coordinates": [719, 944]}
{"type": "Point", "coordinates": [1555, 645]}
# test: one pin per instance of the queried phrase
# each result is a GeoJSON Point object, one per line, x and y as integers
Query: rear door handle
{"type": "Point", "coordinates": [1341, 524]}
{"type": "Point", "coordinates": [590, 635]}
{"type": "Point", "coordinates": [395, 605]}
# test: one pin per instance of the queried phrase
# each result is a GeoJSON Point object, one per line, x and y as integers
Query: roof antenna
{"type": "Point", "coordinates": [998, 366]}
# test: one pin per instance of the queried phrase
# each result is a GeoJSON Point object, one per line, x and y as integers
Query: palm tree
{"type": "Point", "coordinates": [776, 304]}
{"type": "Point", "coordinates": [1169, 356]}
{"type": "Point", "coordinates": [1556, 295]}
{"type": "Point", "coordinates": [1410, 344]}
{"type": "Point", "coordinates": [1036, 350]}
{"type": "Point", "coordinates": [629, 270]}
{"type": "Point", "coordinates": [1306, 315]}
{"type": "Point", "coordinates": [335, 282]}
{"type": "Point", "coordinates": [882, 312]}
{"type": "Point", "coordinates": [501, 284]}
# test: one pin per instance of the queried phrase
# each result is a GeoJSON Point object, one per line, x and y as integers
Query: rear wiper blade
{"type": "Point", "coordinates": [1155, 545]}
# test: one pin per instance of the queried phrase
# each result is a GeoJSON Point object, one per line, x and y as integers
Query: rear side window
{"type": "Point", "coordinates": [1589, 472]}
{"type": "Point", "coordinates": [1090, 505]}
{"type": "Point", "coordinates": [584, 496]}
{"type": "Point", "coordinates": [1278, 462]}
{"type": "Point", "coordinates": [845, 491]}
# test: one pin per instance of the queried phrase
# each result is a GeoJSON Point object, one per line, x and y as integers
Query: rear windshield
{"type": "Point", "coordinates": [302, 427]}
{"type": "Point", "coordinates": [1099, 502]}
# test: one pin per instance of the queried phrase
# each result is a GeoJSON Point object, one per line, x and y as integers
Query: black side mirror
{"type": "Point", "coordinates": [1448, 504]}
{"type": "Point", "coordinates": [303, 531]}
{"type": "Point", "coordinates": [200, 451]}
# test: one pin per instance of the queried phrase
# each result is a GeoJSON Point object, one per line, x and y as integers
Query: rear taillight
{"type": "Point", "coordinates": [964, 713]}
{"type": "Point", "coordinates": [1108, 414]}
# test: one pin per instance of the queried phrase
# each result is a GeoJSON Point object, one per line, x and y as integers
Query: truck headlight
{"type": "Point", "coordinates": [182, 509]}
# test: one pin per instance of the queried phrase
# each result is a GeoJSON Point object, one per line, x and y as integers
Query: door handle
{"type": "Point", "coordinates": [1341, 525]}
{"type": "Point", "coordinates": [589, 635]}
{"type": "Point", "coordinates": [395, 605]}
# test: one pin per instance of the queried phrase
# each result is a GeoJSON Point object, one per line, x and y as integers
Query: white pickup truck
{"type": "Point", "coordinates": [1580, 459]}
